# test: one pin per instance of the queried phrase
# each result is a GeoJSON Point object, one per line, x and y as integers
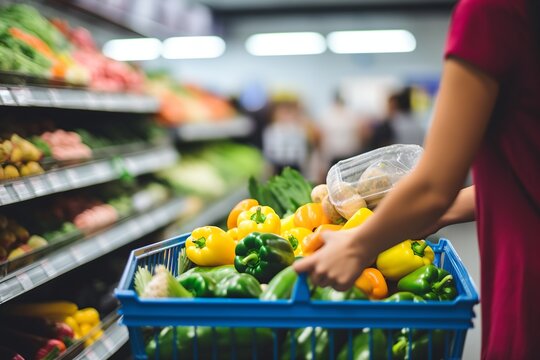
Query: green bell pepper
{"type": "Point", "coordinates": [329, 294]}
{"type": "Point", "coordinates": [227, 343]}
{"type": "Point", "coordinates": [215, 273]}
{"type": "Point", "coordinates": [404, 296]}
{"type": "Point", "coordinates": [360, 346]}
{"type": "Point", "coordinates": [429, 282]}
{"type": "Point", "coordinates": [199, 284]}
{"type": "Point", "coordinates": [238, 286]}
{"type": "Point", "coordinates": [420, 345]}
{"type": "Point", "coordinates": [263, 255]}
{"type": "Point", "coordinates": [281, 285]}
{"type": "Point", "coordinates": [302, 348]}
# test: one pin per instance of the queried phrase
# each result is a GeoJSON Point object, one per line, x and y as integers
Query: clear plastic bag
{"type": "Point", "coordinates": [365, 179]}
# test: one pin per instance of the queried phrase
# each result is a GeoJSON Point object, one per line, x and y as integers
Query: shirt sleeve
{"type": "Point", "coordinates": [486, 34]}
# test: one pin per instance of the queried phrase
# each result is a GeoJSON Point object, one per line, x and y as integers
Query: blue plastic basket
{"type": "Point", "coordinates": [143, 315]}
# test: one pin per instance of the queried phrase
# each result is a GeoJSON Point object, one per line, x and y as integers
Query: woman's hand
{"type": "Point", "coordinates": [339, 262]}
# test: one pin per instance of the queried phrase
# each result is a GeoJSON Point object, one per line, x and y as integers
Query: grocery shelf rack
{"type": "Point", "coordinates": [86, 174]}
{"type": "Point", "coordinates": [76, 99]}
{"type": "Point", "coordinates": [85, 250]}
{"type": "Point", "coordinates": [236, 127]}
{"type": "Point", "coordinates": [113, 338]}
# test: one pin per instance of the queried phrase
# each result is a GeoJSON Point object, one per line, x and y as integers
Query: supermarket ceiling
{"type": "Point", "coordinates": [239, 6]}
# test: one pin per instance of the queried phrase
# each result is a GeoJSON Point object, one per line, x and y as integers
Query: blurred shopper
{"type": "Point", "coordinates": [399, 126]}
{"type": "Point", "coordinates": [340, 133]}
{"type": "Point", "coordinates": [286, 138]}
{"type": "Point", "coordinates": [487, 115]}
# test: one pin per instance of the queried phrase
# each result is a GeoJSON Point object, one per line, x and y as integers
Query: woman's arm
{"type": "Point", "coordinates": [462, 210]}
{"type": "Point", "coordinates": [462, 113]}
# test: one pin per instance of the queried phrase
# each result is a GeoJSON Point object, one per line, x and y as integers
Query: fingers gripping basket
{"type": "Point", "coordinates": [146, 317]}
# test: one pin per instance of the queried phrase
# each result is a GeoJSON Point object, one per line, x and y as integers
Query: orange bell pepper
{"type": "Point", "coordinates": [314, 241]}
{"type": "Point", "coordinates": [310, 216]}
{"type": "Point", "coordinates": [372, 283]}
{"type": "Point", "coordinates": [237, 209]}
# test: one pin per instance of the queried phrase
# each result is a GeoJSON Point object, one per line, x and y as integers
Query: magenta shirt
{"type": "Point", "coordinates": [496, 36]}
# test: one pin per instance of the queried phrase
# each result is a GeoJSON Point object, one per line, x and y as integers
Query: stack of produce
{"type": "Point", "coordinates": [208, 173]}
{"type": "Point", "coordinates": [15, 240]}
{"type": "Point", "coordinates": [30, 44]}
{"type": "Point", "coordinates": [66, 145]}
{"type": "Point", "coordinates": [186, 103]}
{"type": "Point", "coordinates": [105, 74]}
{"type": "Point", "coordinates": [37, 331]}
{"type": "Point", "coordinates": [259, 248]}
{"type": "Point", "coordinates": [19, 157]}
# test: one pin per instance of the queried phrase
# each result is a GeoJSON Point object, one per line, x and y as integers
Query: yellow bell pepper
{"type": "Point", "coordinates": [310, 216]}
{"type": "Point", "coordinates": [296, 236]}
{"type": "Point", "coordinates": [233, 233]}
{"type": "Point", "coordinates": [287, 223]}
{"type": "Point", "coordinates": [359, 217]}
{"type": "Point", "coordinates": [261, 219]}
{"type": "Point", "coordinates": [238, 209]}
{"type": "Point", "coordinates": [404, 258]}
{"type": "Point", "coordinates": [210, 246]}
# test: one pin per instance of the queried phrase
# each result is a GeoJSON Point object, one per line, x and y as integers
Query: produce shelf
{"type": "Point", "coordinates": [86, 174]}
{"type": "Point", "coordinates": [88, 249]}
{"type": "Point", "coordinates": [113, 338]}
{"type": "Point", "coordinates": [77, 99]}
{"type": "Point", "coordinates": [216, 210]}
{"type": "Point", "coordinates": [221, 129]}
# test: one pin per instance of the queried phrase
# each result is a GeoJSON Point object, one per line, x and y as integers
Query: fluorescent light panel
{"type": "Point", "coordinates": [371, 41]}
{"type": "Point", "coordinates": [280, 44]}
{"type": "Point", "coordinates": [193, 47]}
{"type": "Point", "coordinates": [133, 49]}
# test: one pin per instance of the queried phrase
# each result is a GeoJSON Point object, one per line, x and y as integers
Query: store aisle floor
{"type": "Point", "coordinates": [464, 239]}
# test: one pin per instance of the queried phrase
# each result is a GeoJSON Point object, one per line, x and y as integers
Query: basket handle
{"type": "Point", "coordinates": [301, 292]}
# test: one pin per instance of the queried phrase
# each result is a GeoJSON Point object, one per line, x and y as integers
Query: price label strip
{"type": "Point", "coordinates": [25, 281]}
{"type": "Point", "coordinates": [22, 191]}
{"type": "Point", "coordinates": [48, 268]}
{"type": "Point", "coordinates": [5, 197]}
{"type": "Point", "coordinates": [78, 254]}
{"type": "Point", "coordinates": [6, 98]}
{"type": "Point", "coordinates": [39, 185]}
{"type": "Point", "coordinates": [91, 355]}
{"type": "Point", "coordinates": [57, 181]}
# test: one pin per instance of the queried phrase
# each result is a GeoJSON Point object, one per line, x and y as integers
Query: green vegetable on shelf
{"type": "Point", "coordinates": [284, 193]}
{"type": "Point", "coordinates": [429, 282]}
{"type": "Point", "coordinates": [263, 255]}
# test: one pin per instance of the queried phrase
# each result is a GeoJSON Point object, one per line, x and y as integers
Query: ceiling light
{"type": "Point", "coordinates": [133, 49]}
{"type": "Point", "coordinates": [193, 47]}
{"type": "Point", "coordinates": [276, 44]}
{"type": "Point", "coordinates": [371, 41]}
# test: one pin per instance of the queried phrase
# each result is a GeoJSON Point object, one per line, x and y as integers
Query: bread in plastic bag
{"type": "Point", "coordinates": [365, 179]}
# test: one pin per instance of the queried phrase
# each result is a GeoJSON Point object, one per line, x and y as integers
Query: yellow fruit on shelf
{"type": "Point", "coordinates": [52, 309]}
{"type": "Point", "coordinates": [87, 316]}
{"type": "Point", "coordinates": [97, 335]}
{"type": "Point", "coordinates": [70, 321]}
{"type": "Point", "coordinates": [85, 329]}
{"type": "Point", "coordinates": [11, 172]}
